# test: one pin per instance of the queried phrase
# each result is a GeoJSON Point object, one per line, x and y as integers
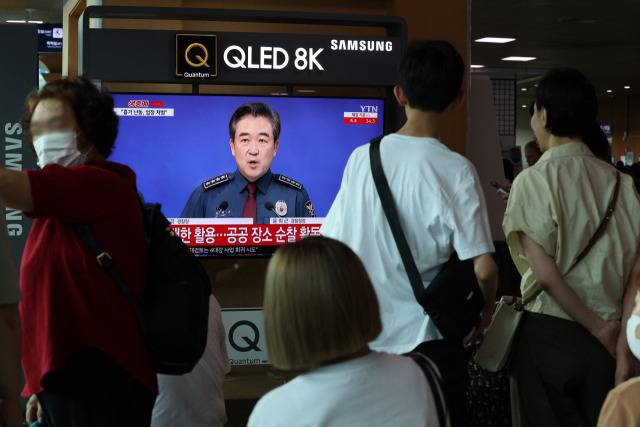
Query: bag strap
{"type": "Point", "coordinates": [386, 198]}
{"type": "Point", "coordinates": [599, 231]}
{"type": "Point", "coordinates": [86, 233]}
{"type": "Point", "coordinates": [435, 384]}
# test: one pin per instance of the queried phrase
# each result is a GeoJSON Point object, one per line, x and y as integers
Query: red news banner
{"type": "Point", "coordinates": [238, 236]}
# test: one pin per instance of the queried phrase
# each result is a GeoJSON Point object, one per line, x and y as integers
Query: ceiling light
{"type": "Point", "coordinates": [494, 40]}
{"type": "Point", "coordinates": [609, 91]}
{"type": "Point", "coordinates": [477, 66]}
{"type": "Point", "coordinates": [627, 87]}
{"type": "Point", "coordinates": [525, 106]}
{"type": "Point", "coordinates": [519, 58]}
{"type": "Point", "coordinates": [306, 91]}
{"type": "Point", "coordinates": [35, 22]}
{"type": "Point", "coordinates": [524, 89]}
{"type": "Point", "coordinates": [16, 21]}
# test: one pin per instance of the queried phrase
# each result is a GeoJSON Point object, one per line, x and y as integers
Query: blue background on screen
{"type": "Point", "coordinates": [173, 155]}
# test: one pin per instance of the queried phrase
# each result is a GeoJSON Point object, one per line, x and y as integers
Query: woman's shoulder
{"type": "Point", "coordinates": [276, 407]}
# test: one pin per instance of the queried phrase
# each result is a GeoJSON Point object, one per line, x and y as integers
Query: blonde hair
{"type": "Point", "coordinates": [319, 304]}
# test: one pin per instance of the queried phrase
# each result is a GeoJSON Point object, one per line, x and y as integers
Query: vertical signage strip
{"type": "Point", "coordinates": [19, 75]}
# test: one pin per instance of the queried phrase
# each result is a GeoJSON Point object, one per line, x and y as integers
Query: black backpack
{"type": "Point", "coordinates": [174, 320]}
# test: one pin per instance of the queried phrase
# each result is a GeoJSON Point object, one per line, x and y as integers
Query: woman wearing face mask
{"type": "Point", "coordinates": [84, 359]}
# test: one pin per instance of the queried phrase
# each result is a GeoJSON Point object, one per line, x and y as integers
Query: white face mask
{"type": "Point", "coordinates": [634, 342]}
{"type": "Point", "coordinates": [60, 148]}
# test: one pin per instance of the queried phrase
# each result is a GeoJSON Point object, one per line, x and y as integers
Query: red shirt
{"type": "Point", "coordinates": [70, 303]}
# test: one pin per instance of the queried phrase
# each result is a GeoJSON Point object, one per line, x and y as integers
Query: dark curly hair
{"type": "Point", "coordinates": [92, 109]}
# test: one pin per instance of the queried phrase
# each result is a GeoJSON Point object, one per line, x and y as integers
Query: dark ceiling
{"type": "Point", "coordinates": [600, 38]}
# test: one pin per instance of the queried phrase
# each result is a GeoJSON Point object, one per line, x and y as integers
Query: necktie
{"type": "Point", "coordinates": [249, 210]}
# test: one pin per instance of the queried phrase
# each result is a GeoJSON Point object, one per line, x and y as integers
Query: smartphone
{"type": "Point", "coordinates": [499, 187]}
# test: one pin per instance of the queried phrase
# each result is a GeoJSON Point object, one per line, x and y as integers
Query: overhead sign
{"type": "Point", "coordinates": [244, 329]}
{"type": "Point", "coordinates": [196, 56]}
{"type": "Point", "coordinates": [50, 38]}
{"type": "Point", "coordinates": [241, 58]}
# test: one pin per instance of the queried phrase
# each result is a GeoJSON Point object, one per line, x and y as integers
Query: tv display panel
{"type": "Point", "coordinates": [175, 142]}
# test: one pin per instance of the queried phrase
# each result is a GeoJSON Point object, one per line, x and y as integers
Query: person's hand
{"type": "Point", "coordinates": [10, 413]}
{"type": "Point", "coordinates": [624, 366]}
{"type": "Point", "coordinates": [607, 333]}
{"type": "Point", "coordinates": [504, 196]}
{"type": "Point", "coordinates": [34, 410]}
{"type": "Point", "coordinates": [483, 321]}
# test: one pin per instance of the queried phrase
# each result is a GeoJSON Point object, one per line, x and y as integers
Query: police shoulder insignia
{"type": "Point", "coordinates": [309, 207]}
{"type": "Point", "coordinates": [220, 179]}
{"type": "Point", "coordinates": [286, 180]}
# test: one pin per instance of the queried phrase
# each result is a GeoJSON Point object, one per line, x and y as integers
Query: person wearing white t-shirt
{"type": "Point", "coordinates": [320, 311]}
{"type": "Point", "coordinates": [196, 399]}
{"type": "Point", "coordinates": [441, 208]}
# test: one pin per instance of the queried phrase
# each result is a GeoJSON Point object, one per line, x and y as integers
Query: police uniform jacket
{"type": "Point", "coordinates": [284, 195]}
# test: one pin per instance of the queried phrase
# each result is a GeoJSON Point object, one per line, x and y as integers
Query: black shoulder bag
{"type": "Point", "coordinates": [453, 299]}
{"type": "Point", "coordinates": [175, 316]}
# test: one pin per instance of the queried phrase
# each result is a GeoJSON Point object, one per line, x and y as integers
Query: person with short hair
{"type": "Point", "coordinates": [320, 312]}
{"type": "Point", "coordinates": [252, 191]}
{"type": "Point", "coordinates": [440, 206]}
{"type": "Point", "coordinates": [570, 350]}
{"type": "Point", "coordinates": [84, 357]}
{"type": "Point", "coordinates": [532, 152]}
{"type": "Point", "coordinates": [10, 332]}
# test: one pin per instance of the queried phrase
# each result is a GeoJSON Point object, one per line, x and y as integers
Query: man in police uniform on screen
{"type": "Point", "coordinates": [252, 191]}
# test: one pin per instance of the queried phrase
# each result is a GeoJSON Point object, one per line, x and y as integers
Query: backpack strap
{"type": "Point", "coordinates": [435, 380]}
{"type": "Point", "coordinates": [85, 232]}
{"type": "Point", "coordinates": [87, 235]}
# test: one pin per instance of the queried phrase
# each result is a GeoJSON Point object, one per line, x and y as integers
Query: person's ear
{"type": "Point", "coordinates": [400, 96]}
{"type": "Point", "coordinates": [457, 101]}
{"type": "Point", "coordinates": [543, 116]}
{"type": "Point", "coordinates": [233, 147]}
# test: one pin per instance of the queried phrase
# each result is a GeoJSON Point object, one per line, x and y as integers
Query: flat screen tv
{"type": "Point", "coordinates": [176, 142]}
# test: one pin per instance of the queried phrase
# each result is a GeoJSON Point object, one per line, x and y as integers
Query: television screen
{"type": "Point", "coordinates": [174, 143]}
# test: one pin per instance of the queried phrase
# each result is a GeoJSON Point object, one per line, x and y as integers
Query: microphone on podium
{"type": "Point", "coordinates": [221, 208]}
{"type": "Point", "coordinates": [270, 207]}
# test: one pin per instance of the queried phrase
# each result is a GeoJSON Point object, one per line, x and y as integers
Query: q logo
{"type": "Point", "coordinates": [249, 344]}
{"type": "Point", "coordinates": [203, 61]}
{"type": "Point", "coordinates": [196, 56]}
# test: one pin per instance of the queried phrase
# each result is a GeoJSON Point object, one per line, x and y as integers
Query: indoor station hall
{"type": "Point", "coordinates": [319, 213]}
